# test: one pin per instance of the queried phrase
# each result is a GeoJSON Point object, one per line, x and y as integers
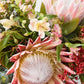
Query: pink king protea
{"type": "Point", "coordinates": [37, 63]}
{"type": "Point", "coordinates": [69, 9]}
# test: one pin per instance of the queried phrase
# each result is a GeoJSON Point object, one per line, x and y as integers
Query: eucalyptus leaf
{"type": "Point", "coordinates": [70, 26]}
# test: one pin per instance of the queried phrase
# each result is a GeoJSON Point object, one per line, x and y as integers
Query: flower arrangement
{"type": "Point", "coordinates": [45, 47]}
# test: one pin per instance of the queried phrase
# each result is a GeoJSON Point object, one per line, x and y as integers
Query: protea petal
{"type": "Point", "coordinates": [15, 57]}
{"type": "Point", "coordinates": [38, 40]}
{"type": "Point", "coordinates": [67, 68]}
{"type": "Point", "coordinates": [46, 39]}
{"type": "Point", "coordinates": [65, 59]}
{"type": "Point", "coordinates": [24, 52]}
{"type": "Point", "coordinates": [15, 80]}
{"type": "Point", "coordinates": [65, 53]}
{"type": "Point", "coordinates": [59, 80]}
{"type": "Point", "coordinates": [53, 44]}
{"type": "Point", "coordinates": [51, 81]}
{"type": "Point", "coordinates": [29, 45]}
{"type": "Point", "coordinates": [37, 63]}
{"type": "Point", "coordinates": [68, 80]}
{"type": "Point", "coordinates": [21, 47]}
{"type": "Point", "coordinates": [11, 70]}
{"type": "Point", "coordinates": [69, 9]}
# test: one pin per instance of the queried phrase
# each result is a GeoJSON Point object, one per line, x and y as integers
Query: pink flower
{"type": "Point", "coordinates": [36, 63]}
{"type": "Point", "coordinates": [69, 9]}
{"type": "Point", "coordinates": [78, 57]}
{"type": "Point", "coordinates": [57, 31]}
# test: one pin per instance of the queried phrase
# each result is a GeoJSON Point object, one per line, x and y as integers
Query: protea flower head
{"type": "Point", "coordinates": [69, 9]}
{"type": "Point", "coordinates": [37, 63]}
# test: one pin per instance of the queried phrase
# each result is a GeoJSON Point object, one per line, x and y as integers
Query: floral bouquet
{"type": "Point", "coordinates": [45, 47]}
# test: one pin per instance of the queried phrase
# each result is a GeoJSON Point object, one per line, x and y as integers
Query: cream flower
{"type": "Point", "coordinates": [7, 23]}
{"type": "Point", "coordinates": [2, 9]}
{"type": "Point", "coordinates": [69, 9]}
{"type": "Point", "coordinates": [41, 26]}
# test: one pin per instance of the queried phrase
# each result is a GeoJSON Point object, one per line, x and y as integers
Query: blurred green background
{"type": "Point", "coordinates": [4, 79]}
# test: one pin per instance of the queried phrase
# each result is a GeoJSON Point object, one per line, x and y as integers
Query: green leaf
{"type": "Point", "coordinates": [70, 26]}
{"type": "Point", "coordinates": [58, 50]}
{"type": "Point", "coordinates": [3, 43]}
{"type": "Point", "coordinates": [4, 53]}
{"type": "Point", "coordinates": [51, 16]}
{"type": "Point", "coordinates": [82, 23]}
{"type": "Point", "coordinates": [23, 1]}
{"type": "Point", "coordinates": [34, 5]}
{"type": "Point", "coordinates": [18, 35]}
{"type": "Point", "coordinates": [82, 78]}
{"type": "Point", "coordinates": [6, 60]}
{"type": "Point", "coordinates": [48, 33]}
{"type": "Point", "coordinates": [42, 9]}
{"type": "Point", "coordinates": [1, 54]}
{"type": "Point", "coordinates": [70, 45]}
{"type": "Point", "coordinates": [17, 2]}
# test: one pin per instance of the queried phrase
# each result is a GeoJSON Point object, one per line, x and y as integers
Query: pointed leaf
{"type": "Point", "coordinates": [42, 9]}
{"type": "Point", "coordinates": [70, 45]}
{"type": "Point", "coordinates": [82, 78]}
{"type": "Point", "coordinates": [58, 50]}
{"type": "Point", "coordinates": [6, 60]}
{"type": "Point", "coordinates": [70, 26]}
{"type": "Point", "coordinates": [3, 43]}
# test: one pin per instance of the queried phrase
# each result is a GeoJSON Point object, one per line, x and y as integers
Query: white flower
{"type": "Point", "coordinates": [7, 23]}
{"type": "Point", "coordinates": [40, 26]}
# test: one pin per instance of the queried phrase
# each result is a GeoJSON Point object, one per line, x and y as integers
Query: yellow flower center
{"type": "Point", "coordinates": [41, 27]}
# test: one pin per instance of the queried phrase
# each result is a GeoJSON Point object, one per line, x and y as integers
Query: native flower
{"type": "Point", "coordinates": [67, 9]}
{"type": "Point", "coordinates": [78, 57]}
{"type": "Point", "coordinates": [40, 26]}
{"type": "Point", "coordinates": [7, 23]}
{"type": "Point", "coordinates": [36, 63]}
